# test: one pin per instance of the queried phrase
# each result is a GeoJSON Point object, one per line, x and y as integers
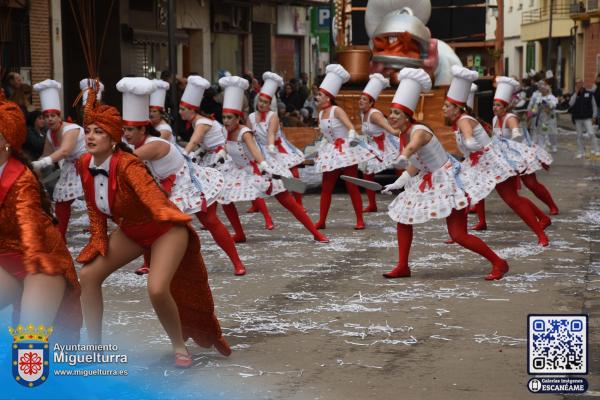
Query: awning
{"type": "Point", "coordinates": [143, 36]}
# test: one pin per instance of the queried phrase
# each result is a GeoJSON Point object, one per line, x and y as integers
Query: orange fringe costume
{"type": "Point", "coordinates": [29, 241]}
{"type": "Point", "coordinates": [143, 212]}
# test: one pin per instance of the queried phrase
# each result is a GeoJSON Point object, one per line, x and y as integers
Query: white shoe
{"type": "Point", "coordinates": [579, 155]}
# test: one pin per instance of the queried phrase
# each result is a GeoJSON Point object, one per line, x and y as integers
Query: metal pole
{"type": "Point", "coordinates": [171, 22]}
{"type": "Point", "coordinates": [331, 28]}
{"type": "Point", "coordinates": [549, 53]}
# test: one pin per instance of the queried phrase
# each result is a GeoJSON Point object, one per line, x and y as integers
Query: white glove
{"type": "Point", "coordinates": [200, 151]}
{"type": "Point", "coordinates": [516, 134]}
{"type": "Point", "coordinates": [472, 144]}
{"type": "Point", "coordinates": [272, 149]}
{"type": "Point", "coordinates": [401, 162]}
{"type": "Point", "coordinates": [263, 166]}
{"type": "Point", "coordinates": [399, 184]}
{"type": "Point", "coordinates": [352, 135]}
{"type": "Point", "coordinates": [220, 157]}
{"type": "Point", "coordinates": [41, 164]}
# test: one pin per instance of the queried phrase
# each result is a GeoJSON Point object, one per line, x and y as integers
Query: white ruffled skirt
{"type": "Point", "coordinates": [191, 190]}
{"type": "Point", "coordinates": [429, 196]}
{"type": "Point", "coordinates": [243, 183]}
{"type": "Point", "coordinates": [386, 157]}
{"type": "Point", "coordinates": [339, 154]}
{"type": "Point", "coordinates": [68, 187]}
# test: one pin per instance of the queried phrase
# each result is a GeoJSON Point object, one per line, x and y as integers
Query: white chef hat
{"type": "Point", "coordinates": [471, 99]}
{"type": "Point", "coordinates": [335, 78]}
{"type": "Point", "coordinates": [49, 91]}
{"type": "Point", "coordinates": [412, 82]}
{"type": "Point", "coordinates": [460, 87]}
{"type": "Point", "coordinates": [377, 83]}
{"type": "Point", "coordinates": [272, 82]}
{"type": "Point", "coordinates": [157, 98]}
{"type": "Point", "coordinates": [89, 83]}
{"type": "Point", "coordinates": [194, 91]}
{"type": "Point", "coordinates": [233, 96]}
{"type": "Point", "coordinates": [505, 87]}
{"type": "Point", "coordinates": [136, 100]}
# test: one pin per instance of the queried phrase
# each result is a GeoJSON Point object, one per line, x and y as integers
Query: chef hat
{"type": "Point", "coordinates": [471, 99]}
{"type": "Point", "coordinates": [412, 82]}
{"type": "Point", "coordinates": [505, 87]}
{"type": "Point", "coordinates": [272, 82]}
{"type": "Point", "coordinates": [136, 100]}
{"type": "Point", "coordinates": [49, 91]}
{"type": "Point", "coordinates": [157, 98]}
{"type": "Point", "coordinates": [233, 96]}
{"type": "Point", "coordinates": [194, 91]}
{"type": "Point", "coordinates": [335, 78]}
{"type": "Point", "coordinates": [377, 83]}
{"type": "Point", "coordinates": [460, 87]}
{"type": "Point", "coordinates": [88, 83]}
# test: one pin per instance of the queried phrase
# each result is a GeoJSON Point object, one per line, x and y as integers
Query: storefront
{"type": "Point", "coordinates": [230, 47]}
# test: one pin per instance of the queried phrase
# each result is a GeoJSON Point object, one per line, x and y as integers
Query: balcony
{"type": "Point", "coordinates": [584, 10]}
{"type": "Point", "coordinates": [535, 23]}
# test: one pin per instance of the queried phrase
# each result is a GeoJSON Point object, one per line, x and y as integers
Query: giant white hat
{"type": "Point", "coordinates": [412, 82]}
{"type": "Point", "coordinates": [136, 100]}
{"type": "Point", "coordinates": [377, 83]}
{"type": "Point", "coordinates": [88, 83]}
{"type": "Point", "coordinates": [272, 82]}
{"type": "Point", "coordinates": [233, 96]}
{"type": "Point", "coordinates": [335, 78]}
{"type": "Point", "coordinates": [471, 98]}
{"type": "Point", "coordinates": [460, 87]}
{"type": "Point", "coordinates": [505, 87]}
{"type": "Point", "coordinates": [157, 98]}
{"type": "Point", "coordinates": [194, 91]}
{"type": "Point", "coordinates": [49, 91]}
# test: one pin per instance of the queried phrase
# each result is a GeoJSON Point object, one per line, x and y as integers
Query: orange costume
{"type": "Point", "coordinates": [30, 243]}
{"type": "Point", "coordinates": [143, 212]}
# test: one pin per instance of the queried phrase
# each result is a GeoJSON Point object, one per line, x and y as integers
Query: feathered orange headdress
{"type": "Point", "coordinates": [104, 116]}
{"type": "Point", "coordinates": [12, 123]}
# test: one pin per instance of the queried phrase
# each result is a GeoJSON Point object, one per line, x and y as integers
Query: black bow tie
{"type": "Point", "coordinates": [96, 171]}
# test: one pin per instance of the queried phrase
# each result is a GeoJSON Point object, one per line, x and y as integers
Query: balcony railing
{"type": "Point", "coordinates": [559, 11]}
{"type": "Point", "coordinates": [592, 5]}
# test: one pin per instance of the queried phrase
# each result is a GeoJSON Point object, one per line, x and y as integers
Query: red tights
{"type": "Point", "coordinates": [540, 191]}
{"type": "Point", "coordinates": [457, 228]}
{"type": "Point", "coordinates": [211, 221]}
{"type": "Point", "coordinates": [296, 174]}
{"type": "Point", "coordinates": [329, 180]}
{"type": "Point", "coordinates": [62, 209]}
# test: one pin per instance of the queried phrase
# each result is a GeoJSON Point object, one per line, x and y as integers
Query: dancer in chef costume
{"type": "Point", "coordinates": [65, 142]}
{"type": "Point", "coordinates": [268, 134]}
{"type": "Point", "coordinates": [431, 182]}
{"type": "Point", "coordinates": [342, 151]}
{"type": "Point", "coordinates": [380, 135]}
{"type": "Point", "coordinates": [157, 111]}
{"type": "Point", "coordinates": [248, 175]}
{"type": "Point", "coordinates": [193, 189]}
{"type": "Point", "coordinates": [485, 168]}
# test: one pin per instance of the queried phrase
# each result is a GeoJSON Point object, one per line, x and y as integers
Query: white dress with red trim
{"type": "Point", "coordinates": [336, 152]}
{"type": "Point", "coordinates": [191, 187]}
{"type": "Point", "coordinates": [482, 169]}
{"type": "Point", "coordinates": [213, 141]}
{"type": "Point", "coordinates": [243, 179]}
{"type": "Point", "coordinates": [287, 154]}
{"type": "Point", "coordinates": [436, 189]}
{"type": "Point", "coordinates": [528, 156]}
{"type": "Point", "coordinates": [68, 187]}
{"type": "Point", "coordinates": [385, 144]}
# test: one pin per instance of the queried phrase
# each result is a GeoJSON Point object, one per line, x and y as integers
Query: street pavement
{"type": "Point", "coordinates": [318, 321]}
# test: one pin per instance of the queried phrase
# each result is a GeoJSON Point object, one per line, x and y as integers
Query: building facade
{"type": "Point", "coordinates": [586, 17]}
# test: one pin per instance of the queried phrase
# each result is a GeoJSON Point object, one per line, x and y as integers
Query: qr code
{"type": "Point", "coordinates": [557, 344]}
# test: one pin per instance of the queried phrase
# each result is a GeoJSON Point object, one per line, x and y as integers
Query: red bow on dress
{"type": "Point", "coordinates": [338, 143]}
{"type": "Point", "coordinates": [279, 146]}
{"type": "Point", "coordinates": [474, 157]}
{"type": "Point", "coordinates": [380, 140]}
{"type": "Point", "coordinates": [426, 182]}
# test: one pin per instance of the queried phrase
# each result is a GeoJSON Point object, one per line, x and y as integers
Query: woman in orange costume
{"type": "Point", "coordinates": [118, 185]}
{"type": "Point", "coordinates": [36, 269]}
